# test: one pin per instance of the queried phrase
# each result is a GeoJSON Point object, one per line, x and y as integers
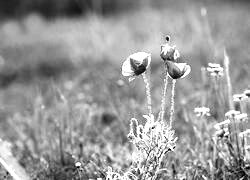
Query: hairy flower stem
{"type": "Point", "coordinates": [148, 92]}
{"type": "Point", "coordinates": [172, 103]}
{"type": "Point", "coordinates": [229, 85]}
{"type": "Point", "coordinates": [163, 100]}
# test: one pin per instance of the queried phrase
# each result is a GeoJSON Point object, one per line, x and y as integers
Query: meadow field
{"type": "Point", "coordinates": [66, 108]}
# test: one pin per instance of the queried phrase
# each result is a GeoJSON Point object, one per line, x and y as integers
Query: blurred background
{"type": "Point", "coordinates": [78, 42]}
{"type": "Point", "coordinates": [60, 68]}
{"type": "Point", "coordinates": [61, 40]}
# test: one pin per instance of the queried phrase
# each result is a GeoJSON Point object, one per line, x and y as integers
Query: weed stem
{"type": "Point", "coordinates": [172, 103]}
{"type": "Point", "coordinates": [163, 100]}
{"type": "Point", "coordinates": [148, 92]}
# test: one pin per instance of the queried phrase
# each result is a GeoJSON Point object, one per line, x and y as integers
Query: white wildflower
{"type": "Point", "coordinates": [231, 113]}
{"type": "Point", "coordinates": [239, 97]}
{"type": "Point", "coordinates": [202, 111]}
{"type": "Point", "coordinates": [222, 124]}
{"type": "Point", "coordinates": [215, 69]}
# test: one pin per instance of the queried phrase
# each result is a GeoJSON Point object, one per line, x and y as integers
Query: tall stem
{"type": "Point", "coordinates": [172, 103]}
{"type": "Point", "coordinates": [148, 92]}
{"type": "Point", "coordinates": [229, 85]}
{"type": "Point", "coordinates": [163, 100]}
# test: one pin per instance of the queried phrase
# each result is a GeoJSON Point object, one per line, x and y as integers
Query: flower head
{"type": "Point", "coordinates": [246, 132]}
{"type": "Point", "coordinates": [215, 69]}
{"type": "Point", "coordinates": [247, 92]}
{"type": "Point", "coordinates": [241, 117]}
{"type": "Point", "coordinates": [78, 164]}
{"type": "Point", "coordinates": [136, 64]}
{"type": "Point", "coordinates": [177, 70]}
{"type": "Point", "coordinates": [239, 97]}
{"type": "Point", "coordinates": [222, 125]}
{"type": "Point", "coordinates": [231, 113]}
{"type": "Point", "coordinates": [247, 147]}
{"type": "Point", "coordinates": [202, 111]}
{"type": "Point", "coordinates": [168, 52]}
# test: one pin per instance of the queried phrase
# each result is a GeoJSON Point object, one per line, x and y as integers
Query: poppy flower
{"type": "Point", "coordinates": [169, 53]}
{"type": "Point", "coordinates": [177, 70]}
{"type": "Point", "coordinates": [136, 64]}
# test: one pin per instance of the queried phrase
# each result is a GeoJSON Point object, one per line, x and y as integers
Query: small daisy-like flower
{"type": "Point", "coordinates": [247, 147]}
{"type": "Point", "coordinates": [78, 164]}
{"type": "Point", "coordinates": [222, 125]}
{"type": "Point", "coordinates": [177, 70]}
{"type": "Point", "coordinates": [244, 133]}
{"type": "Point", "coordinates": [214, 65]}
{"type": "Point", "coordinates": [247, 92]}
{"type": "Point", "coordinates": [168, 52]}
{"type": "Point", "coordinates": [215, 69]}
{"type": "Point", "coordinates": [239, 97]}
{"type": "Point", "coordinates": [136, 64]}
{"type": "Point", "coordinates": [241, 117]}
{"type": "Point", "coordinates": [231, 113]}
{"type": "Point", "coordinates": [202, 111]}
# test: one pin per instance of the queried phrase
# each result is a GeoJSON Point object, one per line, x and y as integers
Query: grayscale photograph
{"type": "Point", "coordinates": [124, 90]}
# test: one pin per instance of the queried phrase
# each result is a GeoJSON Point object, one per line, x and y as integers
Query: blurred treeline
{"type": "Point", "coordinates": [52, 8]}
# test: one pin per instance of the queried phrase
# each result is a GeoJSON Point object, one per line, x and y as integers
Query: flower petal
{"type": "Point", "coordinates": [173, 70]}
{"type": "Point", "coordinates": [169, 53]}
{"type": "Point", "coordinates": [178, 70]}
{"type": "Point", "coordinates": [181, 66]}
{"type": "Point", "coordinates": [134, 64]}
{"type": "Point", "coordinates": [214, 65]}
{"type": "Point", "coordinates": [139, 70]}
{"type": "Point", "coordinates": [139, 56]}
{"type": "Point", "coordinates": [146, 62]}
{"type": "Point", "coordinates": [176, 54]}
{"type": "Point", "coordinates": [187, 70]}
{"type": "Point", "coordinates": [127, 69]}
{"type": "Point", "coordinates": [131, 78]}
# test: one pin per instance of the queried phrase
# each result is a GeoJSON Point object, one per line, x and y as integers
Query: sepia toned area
{"type": "Point", "coordinates": [90, 88]}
